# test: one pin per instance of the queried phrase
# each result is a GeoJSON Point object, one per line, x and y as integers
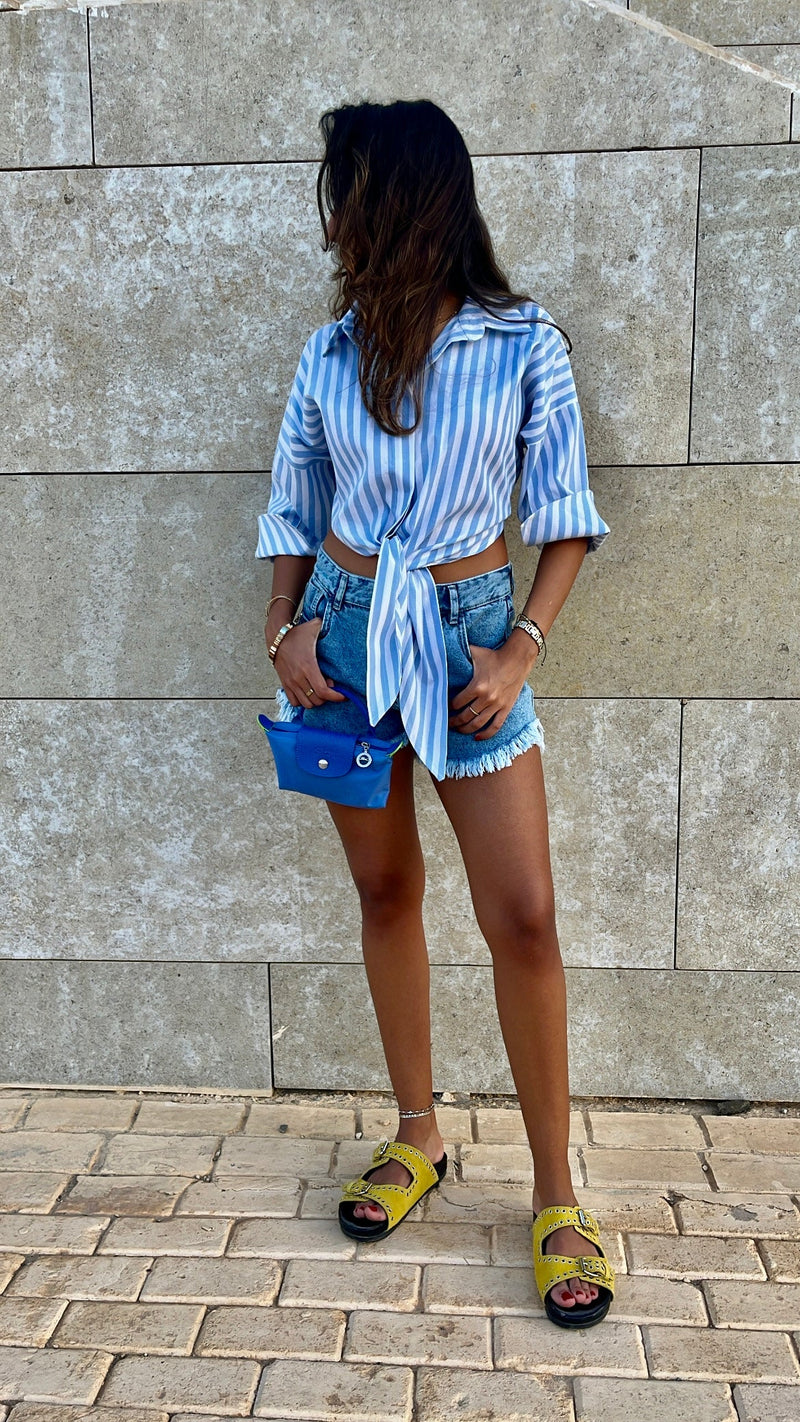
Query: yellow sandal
{"type": "Point", "coordinates": [550, 1269]}
{"type": "Point", "coordinates": [396, 1200]}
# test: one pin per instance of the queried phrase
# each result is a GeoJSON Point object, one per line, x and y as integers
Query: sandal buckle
{"type": "Point", "coordinates": [593, 1264]}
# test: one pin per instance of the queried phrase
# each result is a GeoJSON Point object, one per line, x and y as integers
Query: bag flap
{"type": "Point", "coordinates": [331, 747]}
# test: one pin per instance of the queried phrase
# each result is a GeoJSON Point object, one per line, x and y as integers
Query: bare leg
{"type": "Point", "coordinates": [385, 858]}
{"type": "Point", "coordinates": [500, 820]}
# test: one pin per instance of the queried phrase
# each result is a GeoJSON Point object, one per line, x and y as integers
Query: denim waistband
{"type": "Point", "coordinates": [463, 594]}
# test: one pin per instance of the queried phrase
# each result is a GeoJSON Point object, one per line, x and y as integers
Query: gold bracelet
{"type": "Point", "coordinates": [287, 627]}
{"type": "Point", "coordinates": [527, 624]}
{"type": "Point", "coordinates": [277, 598]}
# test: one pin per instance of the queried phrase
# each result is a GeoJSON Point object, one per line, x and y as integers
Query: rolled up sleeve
{"type": "Point", "coordinates": [299, 509]}
{"type": "Point", "coordinates": [555, 500]}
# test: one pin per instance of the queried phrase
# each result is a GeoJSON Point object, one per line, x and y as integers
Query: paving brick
{"type": "Point", "coordinates": [735, 1213]}
{"type": "Point", "coordinates": [708, 1354]}
{"type": "Point", "coordinates": [47, 1412]}
{"type": "Point", "coordinates": [142, 1154]}
{"type": "Point", "coordinates": [662, 1168]}
{"type": "Point", "coordinates": [123, 1194]}
{"type": "Point", "coordinates": [745, 1305]}
{"type": "Point", "coordinates": [445, 1393]}
{"type": "Point", "coordinates": [630, 1209]}
{"type": "Point", "coordinates": [326, 1283]}
{"type": "Point", "coordinates": [9, 1264]}
{"type": "Point", "coordinates": [380, 1123]}
{"type": "Point", "coordinates": [507, 1164]}
{"type": "Point", "coordinates": [174, 1236]}
{"type": "Point", "coordinates": [643, 1299]}
{"type": "Point", "coordinates": [653, 1130]}
{"type": "Point", "coordinates": [276, 1197]}
{"type": "Point", "coordinates": [324, 1391]}
{"type": "Point", "coordinates": [512, 1244]}
{"type": "Point", "coordinates": [453, 1288]}
{"type": "Point", "coordinates": [51, 1234]}
{"type": "Point", "coordinates": [783, 1259]}
{"type": "Point", "coordinates": [479, 1204]}
{"type": "Point", "coordinates": [694, 1256]}
{"type": "Point", "coordinates": [418, 1338]}
{"type": "Point", "coordinates": [194, 1118]}
{"type": "Point", "coordinates": [243, 1332]}
{"type": "Point", "coordinates": [767, 1402]}
{"type": "Point", "coordinates": [321, 1202]}
{"type": "Point", "coordinates": [50, 1150]}
{"type": "Point", "coordinates": [617, 1400]}
{"type": "Point", "coordinates": [65, 1276]}
{"type": "Point", "coordinates": [290, 1239]}
{"type": "Point", "coordinates": [81, 1113]}
{"type": "Point", "coordinates": [500, 1127]}
{"type": "Point", "coordinates": [766, 1135]}
{"type": "Point", "coordinates": [228, 1385]}
{"type": "Point", "coordinates": [439, 1243]}
{"type": "Point", "coordinates": [328, 1123]}
{"type": "Point", "coordinates": [757, 1173]}
{"type": "Point", "coordinates": [273, 1155]}
{"type": "Point", "coordinates": [28, 1322]}
{"type": "Point", "coordinates": [536, 1345]}
{"type": "Point", "coordinates": [354, 1157]}
{"type": "Point", "coordinates": [212, 1281]}
{"type": "Point", "coordinates": [130, 1327]}
{"type": "Point", "coordinates": [52, 1374]}
{"type": "Point", "coordinates": [34, 1190]}
{"type": "Point", "coordinates": [12, 1110]}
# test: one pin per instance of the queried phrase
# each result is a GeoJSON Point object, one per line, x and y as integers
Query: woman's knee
{"type": "Point", "coordinates": [522, 927]}
{"type": "Point", "coordinates": [388, 889]}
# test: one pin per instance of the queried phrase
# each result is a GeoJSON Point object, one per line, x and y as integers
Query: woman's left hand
{"type": "Point", "coordinates": [497, 680]}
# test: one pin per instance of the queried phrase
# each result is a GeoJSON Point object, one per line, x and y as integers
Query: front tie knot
{"type": "Point", "coordinates": [406, 657]}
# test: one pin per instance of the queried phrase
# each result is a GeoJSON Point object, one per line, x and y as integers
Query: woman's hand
{"type": "Point", "coordinates": [496, 683]}
{"type": "Point", "coordinates": [298, 669]}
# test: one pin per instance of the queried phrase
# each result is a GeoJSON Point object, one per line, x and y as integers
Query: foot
{"type": "Point", "coordinates": [394, 1173]}
{"type": "Point", "coordinates": [567, 1241]}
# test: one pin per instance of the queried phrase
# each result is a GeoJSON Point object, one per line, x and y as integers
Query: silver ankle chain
{"type": "Point", "coordinates": [405, 1115]}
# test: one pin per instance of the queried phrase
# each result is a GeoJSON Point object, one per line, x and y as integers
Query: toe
{"type": "Point", "coordinates": [562, 1296]}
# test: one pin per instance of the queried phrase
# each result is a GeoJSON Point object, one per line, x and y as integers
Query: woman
{"type": "Point", "coordinates": [410, 418]}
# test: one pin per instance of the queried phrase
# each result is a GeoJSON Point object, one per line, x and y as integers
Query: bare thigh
{"type": "Point", "coordinates": [382, 846]}
{"type": "Point", "coordinates": [500, 821]}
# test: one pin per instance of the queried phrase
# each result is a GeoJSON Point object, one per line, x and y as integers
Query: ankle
{"type": "Point", "coordinates": [421, 1132]}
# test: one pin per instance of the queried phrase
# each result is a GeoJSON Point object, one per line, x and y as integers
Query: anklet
{"type": "Point", "coordinates": [404, 1115]}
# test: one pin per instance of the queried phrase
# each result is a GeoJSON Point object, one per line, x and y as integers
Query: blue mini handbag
{"type": "Point", "coordinates": [347, 769]}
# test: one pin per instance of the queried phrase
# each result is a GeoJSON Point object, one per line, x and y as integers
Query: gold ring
{"type": "Point", "coordinates": [311, 691]}
{"type": "Point", "coordinates": [474, 712]}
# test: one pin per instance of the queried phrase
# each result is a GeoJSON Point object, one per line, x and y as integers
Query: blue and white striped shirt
{"type": "Point", "coordinates": [499, 401]}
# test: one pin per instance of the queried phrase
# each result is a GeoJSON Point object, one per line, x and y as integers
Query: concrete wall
{"type": "Point", "coordinates": [170, 918]}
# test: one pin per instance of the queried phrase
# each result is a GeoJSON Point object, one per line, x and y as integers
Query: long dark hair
{"type": "Point", "coordinates": [407, 229]}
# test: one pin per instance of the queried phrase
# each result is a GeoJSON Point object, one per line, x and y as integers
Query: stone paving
{"type": "Point", "coordinates": [176, 1258]}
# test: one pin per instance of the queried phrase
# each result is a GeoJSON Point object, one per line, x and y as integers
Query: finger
{"type": "Point", "coordinates": [491, 727]}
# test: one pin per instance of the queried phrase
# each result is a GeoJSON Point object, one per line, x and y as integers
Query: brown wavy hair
{"type": "Point", "coordinates": [397, 180]}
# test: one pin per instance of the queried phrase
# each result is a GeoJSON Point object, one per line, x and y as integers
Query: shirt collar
{"type": "Point", "coordinates": [469, 324]}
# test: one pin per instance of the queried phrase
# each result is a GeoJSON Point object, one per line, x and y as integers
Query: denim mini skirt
{"type": "Point", "coordinates": [477, 610]}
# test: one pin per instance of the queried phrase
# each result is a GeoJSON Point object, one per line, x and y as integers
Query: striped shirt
{"type": "Point", "coordinates": [499, 402]}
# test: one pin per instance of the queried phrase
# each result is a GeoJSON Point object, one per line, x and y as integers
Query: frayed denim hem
{"type": "Point", "coordinates": [286, 711]}
{"type": "Point", "coordinates": [532, 735]}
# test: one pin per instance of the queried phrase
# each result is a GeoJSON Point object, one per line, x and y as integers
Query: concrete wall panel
{"type": "Point", "coordinates": [693, 592]}
{"type": "Point", "coordinates": [133, 585]}
{"type": "Point", "coordinates": [45, 117]}
{"type": "Point", "coordinates": [204, 83]}
{"type": "Point", "coordinates": [130, 1024]}
{"type": "Point", "coordinates": [647, 1033]}
{"type": "Point", "coordinates": [727, 22]}
{"type": "Point", "coordinates": [161, 312]}
{"type": "Point", "coordinates": [739, 870]}
{"type": "Point", "coordinates": [746, 388]}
